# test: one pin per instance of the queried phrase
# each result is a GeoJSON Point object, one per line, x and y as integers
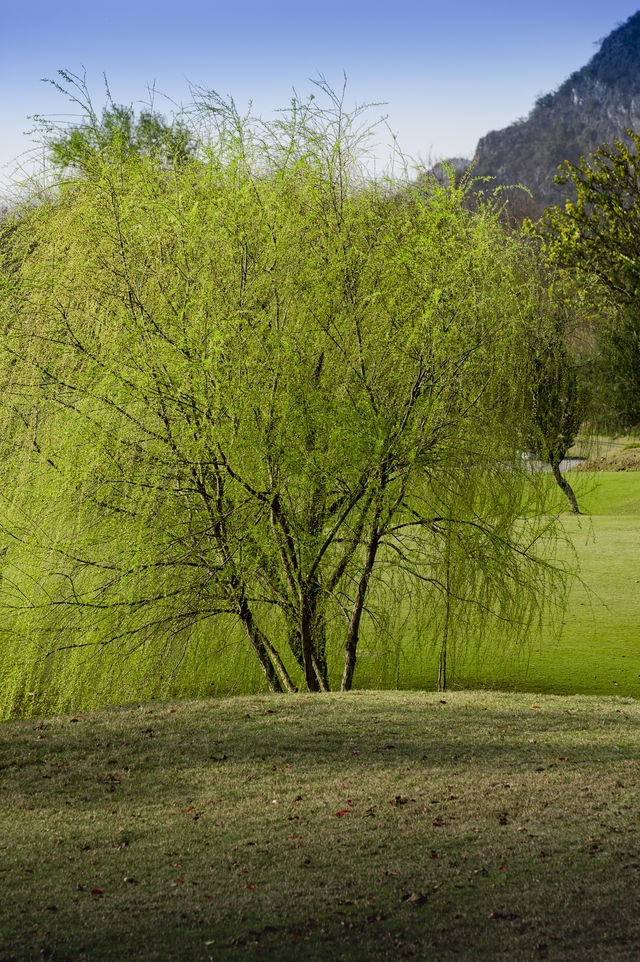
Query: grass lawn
{"type": "Point", "coordinates": [376, 825]}
{"type": "Point", "coordinates": [596, 650]}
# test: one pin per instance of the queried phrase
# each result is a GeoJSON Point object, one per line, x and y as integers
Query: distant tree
{"type": "Point", "coordinates": [598, 235]}
{"type": "Point", "coordinates": [557, 404]}
{"type": "Point", "coordinates": [117, 130]}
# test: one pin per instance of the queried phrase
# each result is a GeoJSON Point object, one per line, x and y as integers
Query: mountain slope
{"type": "Point", "coordinates": [594, 105]}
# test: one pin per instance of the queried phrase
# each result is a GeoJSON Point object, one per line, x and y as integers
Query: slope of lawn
{"type": "Point", "coordinates": [375, 825]}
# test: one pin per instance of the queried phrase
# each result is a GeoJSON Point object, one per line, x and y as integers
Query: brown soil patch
{"type": "Point", "coordinates": [616, 461]}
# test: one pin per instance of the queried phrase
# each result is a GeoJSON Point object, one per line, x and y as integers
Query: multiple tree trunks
{"type": "Point", "coordinates": [252, 391]}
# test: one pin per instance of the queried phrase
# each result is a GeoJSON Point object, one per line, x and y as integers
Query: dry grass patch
{"type": "Point", "coordinates": [377, 825]}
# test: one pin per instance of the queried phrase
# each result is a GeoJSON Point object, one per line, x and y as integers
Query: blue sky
{"type": "Point", "coordinates": [447, 72]}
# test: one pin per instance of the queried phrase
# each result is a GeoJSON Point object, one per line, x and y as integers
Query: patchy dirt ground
{"type": "Point", "coordinates": [623, 460]}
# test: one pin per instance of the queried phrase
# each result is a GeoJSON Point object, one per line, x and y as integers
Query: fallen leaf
{"type": "Point", "coordinates": [345, 811]}
{"type": "Point", "coordinates": [416, 898]}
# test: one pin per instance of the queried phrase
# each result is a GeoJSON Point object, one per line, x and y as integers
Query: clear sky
{"type": "Point", "coordinates": [448, 72]}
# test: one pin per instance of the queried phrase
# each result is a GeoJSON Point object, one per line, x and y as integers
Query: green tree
{"type": "Point", "coordinates": [260, 395]}
{"type": "Point", "coordinates": [598, 235]}
{"type": "Point", "coordinates": [557, 403]}
{"type": "Point", "coordinates": [116, 130]}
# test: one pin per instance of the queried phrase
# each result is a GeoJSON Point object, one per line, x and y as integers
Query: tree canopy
{"type": "Point", "coordinates": [261, 398]}
{"type": "Point", "coordinates": [116, 130]}
{"type": "Point", "coordinates": [558, 401]}
{"type": "Point", "coordinates": [598, 236]}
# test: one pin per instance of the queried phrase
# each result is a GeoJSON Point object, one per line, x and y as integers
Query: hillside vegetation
{"type": "Point", "coordinates": [595, 105]}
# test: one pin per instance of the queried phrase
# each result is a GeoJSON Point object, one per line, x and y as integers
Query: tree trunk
{"type": "Point", "coordinates": [564, 485]}
{"type": "Point", "coordinates": [316, 641]}
{"type": "Point", "coordinates": [260, 646]}
{"type": "Point", "coordinates": [308, 655]}
{"type": "Point", "coordinates": [353, 631]}
{"type": "Point", "coordinates": [442, 664]}
{"type": "Point", "coordinates": [279, 665]}
{"type": "Point", "coordinates": [320, 651]}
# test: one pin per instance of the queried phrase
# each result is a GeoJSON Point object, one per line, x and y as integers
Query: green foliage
{"type": "Point", "coordinates": [557, 397]}
{"type": "Point", "coordinates": [557, 404]}
{"type": "Point", "coordinates": [557, 407]}
{"type": "Point", "coordinates": [599, 232]}
{"type": "Point", "coordinates": [116, 132]}
{"type": "Point", "coordinates": [618, 366]}
{"type": "Point", "coordinates": [249, 403]}
{"type": "Point", "coordinates": [598, 236]}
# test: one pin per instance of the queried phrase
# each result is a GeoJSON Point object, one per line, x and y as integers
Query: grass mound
{"type": "Point", "coordinates": [377, 825]}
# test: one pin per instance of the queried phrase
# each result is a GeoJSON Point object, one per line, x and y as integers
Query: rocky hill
{"type": "Point", "coordinates": [594, 105]}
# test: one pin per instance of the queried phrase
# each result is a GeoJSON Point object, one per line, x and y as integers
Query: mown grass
{"type": "Point", "coordinates": [376, 825]}
{"type": "Point", "coordinates": [596, 647]}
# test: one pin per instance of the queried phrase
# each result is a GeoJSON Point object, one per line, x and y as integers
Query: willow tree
{"type": "Point", "coordinates": [256, 390]}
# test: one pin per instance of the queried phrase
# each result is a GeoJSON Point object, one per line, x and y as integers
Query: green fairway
{"type": "Point", "coordinates": [596, 647]}
{"type": "Point", "coordinates": [609, 493]}
{"type": "Point", "coordinates": [375, 825]}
